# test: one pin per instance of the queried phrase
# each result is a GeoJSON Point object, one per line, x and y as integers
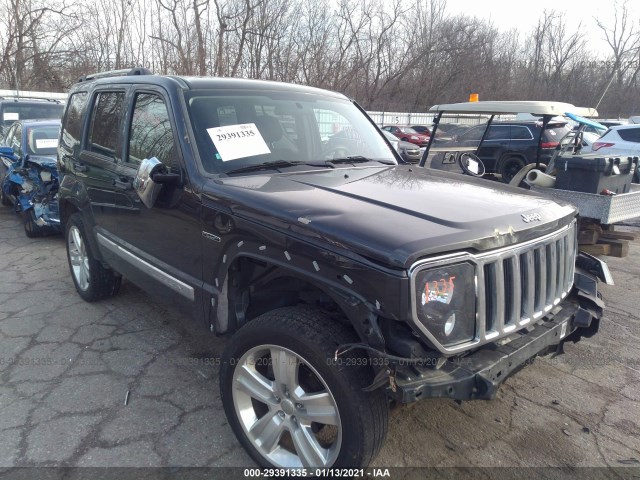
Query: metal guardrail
{"type": "Point", "coordinates": [31, 94]}
{"type": "Point", "coordinates": [409, 118]}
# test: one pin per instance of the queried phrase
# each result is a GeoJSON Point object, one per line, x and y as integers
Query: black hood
{"type": "Point", "coordinates": [394, 215]}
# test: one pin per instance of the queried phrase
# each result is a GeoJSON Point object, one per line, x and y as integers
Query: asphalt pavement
{"type": "Point", "coordinates": [132, 382]}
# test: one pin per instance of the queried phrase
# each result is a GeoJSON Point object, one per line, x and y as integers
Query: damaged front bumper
{"type": "Point", "coordinates": [479, 374]}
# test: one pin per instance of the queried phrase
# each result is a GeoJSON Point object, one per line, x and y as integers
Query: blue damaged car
{"type": "Point", "coordinates": [29, 174]}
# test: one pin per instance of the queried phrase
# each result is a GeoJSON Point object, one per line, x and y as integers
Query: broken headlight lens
{"type": "Point", "coordinates": [27, 186]}
{"type": "Point", "coordinates": [45, 176]}
{"type": "Point", "coordinates": [446, 302]}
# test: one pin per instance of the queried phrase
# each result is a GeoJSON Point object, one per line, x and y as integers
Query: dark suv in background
{"type": "Point", "coordinates": [343, 279]}
{"type": "Point", "coordinates": [24, 108]}
{"type": "Point", "coordinates": [509, 146]}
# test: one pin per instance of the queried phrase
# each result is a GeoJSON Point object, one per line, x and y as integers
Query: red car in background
{"type": "Point", "coordinates": [408, 134]}
{"type": "Point", "coordinates": [440, 134]}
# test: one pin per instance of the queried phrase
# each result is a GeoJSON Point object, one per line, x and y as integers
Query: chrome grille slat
{"type": "Point", "coordinates": [529, 287]}
{"type": "Point", "coordinates": [561, 266]}
{"type": "Point", "coordinates": [514, 285]}
{"type": "Point", "coordinates": [481, 307]}
{"type": "Point", "coordinates": [569, 259]}
{"type": "Point", "coordinates": [541, 281]}
{"type": "Point", "coordinates": [517, 291]}
{"type": "Point", "coordinates": [552, 259]}
{"type": "Point", "coordinates": [498, 323]}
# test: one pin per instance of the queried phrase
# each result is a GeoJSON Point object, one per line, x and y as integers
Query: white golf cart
{"type": "Point", "coordinates": [598, 212]}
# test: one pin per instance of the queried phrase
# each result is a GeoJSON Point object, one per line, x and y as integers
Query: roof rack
{"type": "Point", "coordinates": [125, 72]}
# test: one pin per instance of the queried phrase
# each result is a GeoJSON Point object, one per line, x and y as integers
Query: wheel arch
{"type": "Point", "coordinates": [507, 155]}
{"type": "Point", "coordinates": [67, 208]}
{"type": "Point", "coordinates": [255, 286]}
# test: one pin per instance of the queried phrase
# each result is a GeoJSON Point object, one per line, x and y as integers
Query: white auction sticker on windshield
{"type": "Point", "coordinates": [46, 143]}
{"type": "Point", "coordinates": [238, 141]}
{"type": "Point", "coordinates": [10, 116]}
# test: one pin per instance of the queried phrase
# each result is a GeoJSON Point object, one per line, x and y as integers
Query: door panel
{"type": "Point", "coordinates": [169, 232]}
{"type": "Point", "coordinates": [97, 161]}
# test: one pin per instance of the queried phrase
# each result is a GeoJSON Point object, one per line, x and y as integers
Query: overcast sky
{"type": "Point", "coordinates": [524, 15]}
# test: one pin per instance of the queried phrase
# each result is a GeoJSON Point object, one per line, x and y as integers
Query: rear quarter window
{"type": "Point", "coordinates": [520, 133]}
{"type": "Point", "coordinates": [555, 134]}
{"type": "Point", "coordinates": [630, 134]}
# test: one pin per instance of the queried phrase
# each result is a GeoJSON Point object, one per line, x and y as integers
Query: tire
{"type": "Point", "coordinates": [92, 280]}
{"type": "Point", "coordinates": [354, 422]}
{"type": "Point", "coordinates": [31, 228]}
{"type": "Point", "coordinates": [510, 166]}
{"type": "Point", "coordinates": [3, 198]}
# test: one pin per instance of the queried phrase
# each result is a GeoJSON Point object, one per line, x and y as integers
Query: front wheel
{"type": "Point", "coordinates": [289, 404]}
{"type": "Point", "coordinates": [4, 199]}
{"type": "Point", "coordinates": [92, 280]}
{"type": "Point", "coordinates": [31, 228]}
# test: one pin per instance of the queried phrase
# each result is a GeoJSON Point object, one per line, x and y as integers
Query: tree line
{"type": "Point", "coordinates": [389, 55]}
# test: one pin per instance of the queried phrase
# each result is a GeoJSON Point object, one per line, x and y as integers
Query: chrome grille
{"type": "Point", "coordinates": [519, 285]}
{"type": "Point", "coordinates": [515, 285]}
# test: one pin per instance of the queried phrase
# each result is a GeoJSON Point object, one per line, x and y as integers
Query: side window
{"type": "Point", "coordinates": [473, 134]}
{"type": "Point", "coordinates": [520, 133]}
{"type": "Point", "coordinates": [498, 132]}
{"type": "Point", "coordinates": [630, 134]}
{"type": "Point", "coordinates": [150, 134]}
{"type": "Point", "coordinates": [72, 122]}
{"type": "Point", "coordinates": [105, 123]}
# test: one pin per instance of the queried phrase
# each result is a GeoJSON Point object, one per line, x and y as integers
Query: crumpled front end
{"type": "Point", "coordinates": [481, 317]}
{"type": "Point", "coordinates": [34, 186]}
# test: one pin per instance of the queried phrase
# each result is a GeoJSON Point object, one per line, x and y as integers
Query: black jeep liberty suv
{"type": "Point", "coordinates": [281, 217]}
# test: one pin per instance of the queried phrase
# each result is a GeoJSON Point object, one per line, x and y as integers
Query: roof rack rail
{"type": "Point", "coordinates": [125, 72]}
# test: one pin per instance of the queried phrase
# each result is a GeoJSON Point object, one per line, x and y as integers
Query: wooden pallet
{"type": "Point", "coordinates": [595, 239]}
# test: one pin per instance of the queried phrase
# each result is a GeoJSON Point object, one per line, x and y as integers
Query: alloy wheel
{"type": "Point", "coordinates": [78, 258]}
{"type": "Point", "coordinates": [285, 408]}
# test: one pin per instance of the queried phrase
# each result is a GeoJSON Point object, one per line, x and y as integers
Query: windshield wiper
{"type": "Point", "coordinates": [357, 159]}
{"type": "Point", "coordinates": [272, 166]}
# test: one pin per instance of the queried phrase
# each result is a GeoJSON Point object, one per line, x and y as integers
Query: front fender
{"type": "Point", "coordinates": [363, 294]}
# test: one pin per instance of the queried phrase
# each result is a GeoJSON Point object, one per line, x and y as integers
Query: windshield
{"type": "Point", "coordinates": [241, 129]}
{"type": "Point", "coordinates": [43, 141]}
{"type": "Point", "coordinates": [407, 130]}
{"type": "Point", "coordinates": [13, 111]}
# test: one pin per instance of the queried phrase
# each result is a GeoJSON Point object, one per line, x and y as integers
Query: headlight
{"type": "Point", "coordinates": [446, 302]}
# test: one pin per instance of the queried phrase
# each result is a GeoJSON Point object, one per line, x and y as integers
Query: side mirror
{"type": "Point", "coordinates": [144, 184]}
{"type": "Point", "coordinates": [166, 178]}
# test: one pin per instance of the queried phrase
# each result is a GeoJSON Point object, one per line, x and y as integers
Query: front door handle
{"type": "Point", "coordinates": [122, 184]}
{"type": "Point", "coordinates": [79, 167]}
